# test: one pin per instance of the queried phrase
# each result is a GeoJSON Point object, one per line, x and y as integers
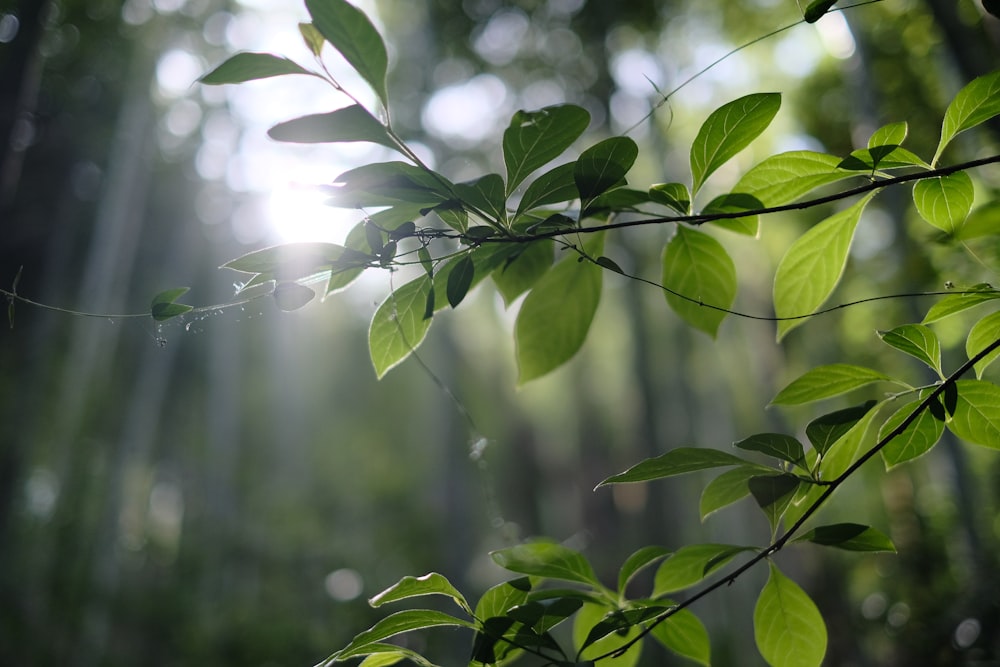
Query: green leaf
{"type": "Point", "coordinates": [398, 623]}
{"type": "Point", "coordinates": [983, 334]}
{"type": "Point", "coordinates": [250, 66]}
{"type": "Point", "coordinates": [429, 584]}
{"type": "Point", "coordinates": [735, 202]}
{"type": "Point", "coordinates": [685, 634]}
{"type": "Point", "coordinates": [727, 488]}
{"type": "Point", "coordinates": [976, 417]}
{"type": "Point", "coordinates": [827, 381]}
{"type": "Point", "coordinates": [602, 166]}
{"type": "Point", "coordinates": [546, 559]}
{"type": "Point", "coordinates": [292, 296]}
{"type": "Point", "coordinates": [944, 201]}
{"type": "Point", "coordinates": [817, 9]}
{"type": "Point", "coordinates": [352, 123]}
{"type": "Point", "coordinates": [773, 494]}
{"type": "Point", "coordinates": [828, 429]}
{"type": "Point", "coordinates": [555, 317]}
{"type": "Point", "coordinates": [728, 130]}
{"type": "Point", "coordinates": [881, 158]}
{"type": "Point", "coordinates": [638, 561]}
{"type": "Point", "coordinates": [697, 267]}
{"type": "Point", "coordinates": [543, 616]}
{"type": "Point", "coordinates": [485, 194]}
{"type": "Point", "coordinates": [678, 461]}
{"type": "Point", "coordinates": [350, 32]}
{"type": "Point", "coordinates": [812, 267]}
{"type": "Point", "coordinates": [785, 177]}
{"type": "Point", "coordinates": [916, 340]}
{"type": "Point", "coordinates": [536, 137]}
{"type": "Point", "coordinates": [597, 631]}
{"type": "Point", "coordinates": [848, 448]}
{"type": "Point", "coordinates": [291, 261]}
{"type": "Point", "coordinates": [398, 325]}
{"type": "Point", "coordinates": [523, 269]}
{"type": "Point", "coordinates": [918, 438]}
{"type": "Point", "coordinates": [388, 184]}
{"type": "Point", "coordinates": [498, 599]}
{"type": "Point", "coordinates": [459, 280]}
{"type": "Point", "coordinates": [392, 655]}
{"type": "Point", "coordinates": [984, 221]}
{"type": "Point", "coordinates": [848, 536]}
{"type": "Point", "coordinates": [162, 306]}
{"type": "Point", "coordinates": [955, 303]}
{"type": "Point", "coordinates": [892, 134]}
{"type": "Point", "coordinates": [788, 627]}
{"type": "Point", "coordinates": [312, 37]}
{"type": "Point", "coordinates": [778, 445]}
{"type": "Point", "coordinates": [691, 564]}
{"type": "Point", "coordinates": [977, 102]}
{"type": "Point", "coordinates": [554, 186]}
{"type": "Point", "coordinates": [673, 195]}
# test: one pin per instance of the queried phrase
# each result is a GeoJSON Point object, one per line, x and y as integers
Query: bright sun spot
{"type": "Point", "coordinates": [297, 211]}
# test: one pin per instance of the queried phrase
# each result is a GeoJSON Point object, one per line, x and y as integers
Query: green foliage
{"type": "Point", "coordinates": [508, 229]}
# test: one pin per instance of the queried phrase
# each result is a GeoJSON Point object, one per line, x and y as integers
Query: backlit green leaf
{"type": "Point", "coordinates": [785, 177]}
{"type": "Point", "coordinates": [523, 269]}
{"type": "Point", "coordinates": [773, 494]}
{"type": "Point", "coordinates": [691, 564]}
{"type": "Point", "coordinates": [816, 9]}
{"type": "Point", "coordinates": [778, 445]}
{"type": "Point", "coordinates": [735, 202]}
{"type": "Point", "coordinates": [250, 66]}
{"type": "Point", "coordinates": [546, 559]}
{"type": "Point", "coordinates": [828, 429]}
{"type": "Point", "coordinates": [392, 655]}
{"type": "Point", "coordinates": [674, 195]}
{"type": "Point", "coordinates": [638, 561]}
{"type": "Point", "coordinates": [536, 137]}
{"type": "Point", "coordinates": [918, 438]}
{"type": "Point", "coordinates": [812, 267]}
{"type": "Point", "coordinates": [983, 221]}
{"type": "Point", "coordinates": [163, 307]}
{"type": "Point", "coordinates": [292, 296]}
{"type": "Point", "coordinates": [976, 417]}
{"type": "Point", "coordinates": [398, 325]}
{"type": "Point", "coordinates": [728, 130]}
{"type": "Point", "coordinates": [555, 317]}
{"type": "Point", "coordinates": [697, 267]}
{"type": "Point", "coordinates": [597, 631]}
{"type": "Point", "coordinates": [892, 134]}
{"type": "Point", "coordinates": [955, 303]}
{"type": "Point", "coordinates": [312, 37]}
{"type": "Point", "coordinates": [944, 201]}
{"type": "Point", "coordinates": [485, 194]}
{"type": "Point", "coordinates": [826, 381]}
{"type": "Point", "coordinates": [498, 599]}
{"type": "Point", "coordinates": [352, 123]}
{"type": "Point", "coordinates": [459, 280]}
{"type": "Point", "coordinates": [728, 488]}
{"type": "Point", "coordinates": [977, 102]}
{"type": "Point", "coordinates": [603, 166]}
{"type": "Point", "coordinates": [678, 461]}
{"type": "Point", "coordinates": [398, 623]}
{"type": "Point", "coordinates": [983, 334]}
{"type": "Point", "coordinates": [788, 627]}
{"type": "Point", "coordinates": [685, 634]}
{"type": "Point", "coordinates": [350, 32]}
{"type": "Point", "coordinates": [848, 536]}
{"type": "Point", "coordinates": [388, 184]}
{"type": "Point", "coordinates": [554, 186]}
{"type": "Point", "coordinates": [916, 340]}
{"type": "Point", "coordinates": [848, 448]}
{"type": "Point", "coordinates": [429, 584]}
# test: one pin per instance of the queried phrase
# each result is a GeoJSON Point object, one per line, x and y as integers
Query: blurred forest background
{"type": "Point", "coordinates": [229, 489]}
